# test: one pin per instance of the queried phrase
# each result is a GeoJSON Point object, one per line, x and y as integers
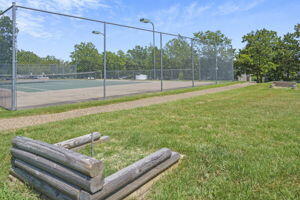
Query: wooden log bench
{"type": "Point", "coordinates": [60, 173]}
{"type": "Point", "coordinates": [285, 84]}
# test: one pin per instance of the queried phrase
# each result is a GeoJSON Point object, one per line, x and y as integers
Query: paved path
{"type": "Point", "coordinates": [21, 122]}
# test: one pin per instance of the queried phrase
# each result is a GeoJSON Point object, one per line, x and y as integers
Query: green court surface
{"type": "Point", "coordinates": [47, 85]}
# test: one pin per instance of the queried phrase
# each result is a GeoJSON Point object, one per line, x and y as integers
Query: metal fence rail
{"type": "Point", "coordinates": [141, 66]}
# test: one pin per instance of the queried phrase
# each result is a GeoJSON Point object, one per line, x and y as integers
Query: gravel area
{"type": "Point", "coordinates": [21, 122]}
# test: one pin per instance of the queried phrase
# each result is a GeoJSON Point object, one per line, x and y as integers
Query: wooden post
{"type": "Point", "coordinates": [60, 185]}
{"type": "Point", "coordinates": [87, 183]}
{"type": "Point", "coordinates": [39, 185]}
{"type": "Point", "coordinates": [79, 141]}
{"type": "Point", "coordinates": [84, 164]}
{"type": "Point", "coordinates": [140, 181]}
{"type": "Point", "coordinates": [127, 189]}
{"type": "Point", "coordinates": [124, 176]}
{"type": "Point", "coordinates": [102, 139]}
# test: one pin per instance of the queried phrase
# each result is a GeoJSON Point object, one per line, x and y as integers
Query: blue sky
{"type": "Point", "coordinates": [53, 35]}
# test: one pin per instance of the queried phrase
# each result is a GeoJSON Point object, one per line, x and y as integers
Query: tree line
{"type": "Point", "coordinates": [266, 56]}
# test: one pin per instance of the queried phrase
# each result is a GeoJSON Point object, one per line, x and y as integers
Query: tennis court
{"type": "Point", "coordinates": [47, 85]}
{"type": "Point", "coordinates": [52, 92]}
{"type": "Point", "coordinates": [67, 69]}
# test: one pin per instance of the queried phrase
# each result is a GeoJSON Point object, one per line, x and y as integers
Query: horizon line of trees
{"type": "Point", "coordinates": [266, 56]}
{"type": "Point", "coordinates": [176, 54]}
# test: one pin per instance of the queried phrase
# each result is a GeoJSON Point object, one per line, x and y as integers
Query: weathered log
{"type": "Point", "coordinates": [101, 140]}
{"type": "Point", "coordinates": [53, 181]}
{"type": "Point", "coordinates": [284, 84]}
{"type": "Point", "coordinates": [79, 141]}
{"type": "Point", "coordinates": [104, 138]}
{"type": "Point", "coordinates": [39, 185]}
{"type": "Point", "coordinates": [121, 178]}
{"type": "Point", "coordinates": [139, 182]}
{"type": "Point", "coordinates": [89, 184]}
{"type": "Point", "coordinates": [84, 164]}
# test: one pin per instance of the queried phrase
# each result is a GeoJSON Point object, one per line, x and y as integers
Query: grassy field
{"type": "Point", "coordinates": [239, 144]}
{"type": "Point", "coordinates": [66, 107]}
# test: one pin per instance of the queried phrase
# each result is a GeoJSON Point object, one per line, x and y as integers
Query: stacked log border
{"type": "Point", "coordinates": [76, 161]}
{"type": "Point", "coordinates": [60, 173]}
{"type": "Point", "coordinates": [285, 84]}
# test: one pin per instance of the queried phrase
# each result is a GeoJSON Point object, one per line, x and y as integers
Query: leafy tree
{"type": "Point", "coordinates": [6, 38]}
{"type": "Point", "coordinates": [28, 57]}
{"type": "Point", "coordinates": [178, 52]}
{"type": "Point", "coordinates": [212, 38]}
{"type": "Point", "coordinates": [257, 58]}
{"type": "Point", "coordinates": [30, 63]}
{"type": "Point", "coordinates": [86, 57]}
{"type": "Point", "coordinates": [137, 58]}
{"type": "Point", "coordinates": [114, 61]}
{"type": "Point", "coordinates": [51, 60]}
{"type": "Point", "coordinates": [215, 55]}
{"type": "Point", "coordinates": [287, 57]}
{"type": "Point", "coordinates": [122, 60]}
{"type": "Point", "coordinates": [242, 64]}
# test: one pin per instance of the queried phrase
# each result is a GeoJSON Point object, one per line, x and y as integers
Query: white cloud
{"type": "Point", "coordinates": [58, 5]}
{"type": "Point", "coordinates": [34, 24]}
{"type": "Point", "coordinates": [4, 4]}
{"type": "Point", "coordinates": [237, 6]}
{"type": "Point", "coordinates": [177, 16]}
{"type": "Point", "coordinates": [65, 5]}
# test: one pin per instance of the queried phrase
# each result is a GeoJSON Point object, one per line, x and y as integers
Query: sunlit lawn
{"type": "Point", "coordinates": [239, 144]}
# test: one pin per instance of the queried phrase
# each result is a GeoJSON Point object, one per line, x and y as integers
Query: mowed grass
{"type": "Point", "coordinates": [67, 107]}
{"type": "Point", "coordinates": [239, 144]}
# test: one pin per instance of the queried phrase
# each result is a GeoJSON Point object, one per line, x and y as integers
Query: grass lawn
{"type": "Point", "coordinates": [66, 107]}
{"type": "Point", "coordinates": [239, 144]}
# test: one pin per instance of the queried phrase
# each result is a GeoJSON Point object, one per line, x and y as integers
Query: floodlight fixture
{"type": "Point", "coordinates": [144, 20]}
{"type": "Point", "coordinates": [147, 21]}
{"type": "Point", "coordinates": [97, 33]}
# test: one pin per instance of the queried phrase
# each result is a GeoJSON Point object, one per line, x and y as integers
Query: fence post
{"type": "Point", "coordinates": [14, 57]}
{"type": "Point", "coordinates": [104, 61]}
{"type": "Point", "coordinates": [161, 63]}
{"type": "Point", "coordinates": [216, 64]}
{"type": "Point", "coordinates": [154, 60]}
{"type": "Point", "coordinates": [193, 64]}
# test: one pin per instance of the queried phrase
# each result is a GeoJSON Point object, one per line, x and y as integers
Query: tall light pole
{"type": "Point", "coordinates": [216, 64]}
{"type": "Point", "coordinates": [144, 20]}
{"type": "Point", "coordinates": [104, 58]}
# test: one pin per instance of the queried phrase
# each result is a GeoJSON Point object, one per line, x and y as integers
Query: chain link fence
{"type": "Point", "coordinates": [6, 53]}
{"type": "Point", "coordinates": [73, 59]}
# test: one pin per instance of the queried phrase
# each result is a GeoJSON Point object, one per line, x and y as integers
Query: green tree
{"type": "Point", "coordinates": [122, 60]}
{"type": "Point", "coordinates": [138, 58]}
{"type": "Point", "coordinates": [51, 60]}
{"type": "Point", "coordinates": [115, 61]}
{"type": "Point", "coordinates": [287, 57]}
{"type": "Point", "coordinates": [28, 57]}
{"type": "Point", "coordinates": [6, 38]}
{"type": "Point", "coordinates": [178, 52]}
{"type": "Point", "coordinates": [215, 55]}
{"type": "Point", "coordinates": [212, 38]}
{"type": "Point", "coordinates": [86, 57]}
{"type": "Point", "coordinates": [257, 58]}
